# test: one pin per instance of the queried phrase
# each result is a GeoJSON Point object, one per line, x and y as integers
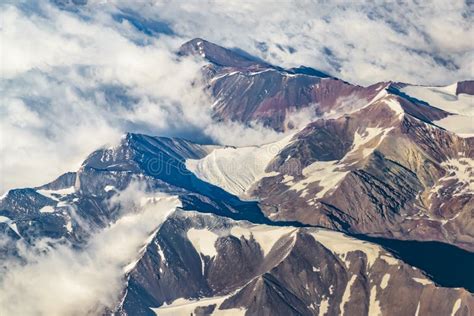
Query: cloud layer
{"type": "Point", "coordinates": [362, 42]}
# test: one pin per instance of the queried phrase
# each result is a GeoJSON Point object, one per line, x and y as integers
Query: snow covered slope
{"type": "Point", "coordinates": [445, 98]}
{"type": "Point", "coordinates": [236, 169]}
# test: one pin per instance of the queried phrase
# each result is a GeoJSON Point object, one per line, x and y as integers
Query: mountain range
{"type": "Point", "coordinates": [365, 210]}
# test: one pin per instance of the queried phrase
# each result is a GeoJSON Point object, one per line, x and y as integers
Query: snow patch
{"type": "Point", "coordinates": [52, 194]}
{"type": "Point", "coordinates": [342, 245]}
{"type": "Point", "coordinates": [109, 188]}
{"type": "Point", "coordinates": [161, 253]}
{"type": "Point", "coordinates": [462, 171]}
{"type": "Point", "coordinates": [236, 169]}
{"type": "Point", "coordinates": [395, 107]}
{"type": "Point", "coordinates": [68, 225]}
{"type": "Point", "coordinates": [461, 125]}
{"type": "Point", "coordinates": [203, 241]}
{"type": "Point", "coordinates": [254, 73]}
{"type": "Point", "coordinates": [374, 306]}
{"type": "Point", "coordinates": [182, 306]}
{"type": "Point", "coordinates": [327, 174]}
{"type": "Point", "coordinates": [445, 98]}
{"type": "Point", "coordinates": [372, 136]}
{"type": "Point", "coordinates": [265, 236]}
{"type": "Point", "coordinates": [47, 209]}
{"type": "Point", "coordinates": [385, 280]}
{"type": "Point", "coordinates": [422, 281]}
{"type": "Point", "coordinates": [417, 309]}
{"type": "Point", "coordinates": [239, 232]}
{"type": "Point", "coordinates": [324, 307]}
{"type": "Point", "coordinates": [10, 223]}
{"type": "Point", "coordinates": [347, 293]}
{"type": "Point", "coordinates": [225, 74]}
{"type": "Point", "coordinates": [456, 307]}
{"type": "Point", "coordinates": [288, 179]}
{"type": "Point", "coordinates": [390, 260]}
{"type": "Point", "coordinates": [14, 227]}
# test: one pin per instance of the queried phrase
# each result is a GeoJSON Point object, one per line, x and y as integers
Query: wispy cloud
{"type": "Point", "coordinates": [59, 280]}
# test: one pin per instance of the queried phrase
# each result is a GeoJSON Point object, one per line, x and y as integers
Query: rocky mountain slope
{"type": "Point", "coordinates": [282, 228]}
{"type": "Point", "coordinates": [276, 271]}
{"type": "Point", "coordinates": [383, 170]}
{"type": "Point", "coordinates": [378, 160]}
{"type": "Point", "coordinates": [247, 90]}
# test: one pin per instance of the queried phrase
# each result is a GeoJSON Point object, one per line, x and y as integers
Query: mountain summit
{"type": "Point", "coordinates": [220, 56]}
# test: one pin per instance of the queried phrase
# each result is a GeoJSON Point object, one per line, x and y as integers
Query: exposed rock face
{"type": "Point", "coordinates": [466, 87]}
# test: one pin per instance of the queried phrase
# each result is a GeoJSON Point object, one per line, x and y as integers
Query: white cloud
{"type": "Point", "coordinates": [64, 281]}
{"type": "Point", "coordinates": [81, 83]}
{"type": "Point", "coordinates": [363, 42]}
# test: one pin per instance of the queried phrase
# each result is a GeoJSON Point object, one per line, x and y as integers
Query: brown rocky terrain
{"type": "Point", "coordinates": [247, 90]}
{"type": "Point", "coordinates": [202, 264]}
{"type": "Point", "coordinates": [396, 176]}
{"type": "Point", "coordinates": [373, 161]}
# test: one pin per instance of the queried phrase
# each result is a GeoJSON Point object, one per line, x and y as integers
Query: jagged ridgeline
{"type": "Point", "coordinates": [366, 210]}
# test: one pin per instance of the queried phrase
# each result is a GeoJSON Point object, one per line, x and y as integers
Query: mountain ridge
{"type": "Point", "coordinates": [304, 223]}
